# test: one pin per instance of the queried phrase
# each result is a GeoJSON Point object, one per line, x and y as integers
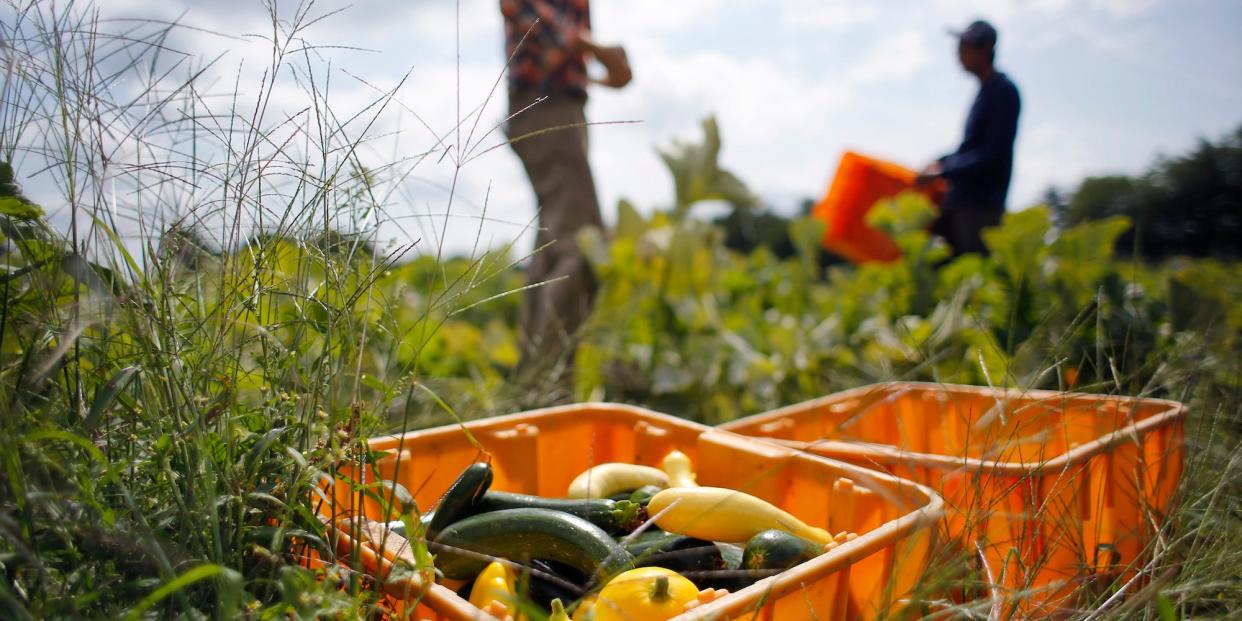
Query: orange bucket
{"type": "Point", "coordinates": [541, 451]}
{"type": "Point", "coordinates": [860, 182]}
{"type": "Point", "coordinates": [1060, 489]}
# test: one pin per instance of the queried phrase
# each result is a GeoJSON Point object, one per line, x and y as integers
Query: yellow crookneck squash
{"type": "Point", "coordinates": [643, 594]}
{"type": "Point", "coordinates": [495, 584]}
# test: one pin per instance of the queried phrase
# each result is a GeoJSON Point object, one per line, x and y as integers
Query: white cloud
{"type": "Point", "coordinates": [471, 20]}
{"type": "Point", "coordinates": [1124, 8]}
{"type": "Point", "coordinates": [833, 16]}
{"type": "Point", "coordinates": [790, 92]}
{"type": "Point", "coordinates": [623, 19]}
{"type": "Point", "coordinates": [1100, 36]}
{"type": "Point", "coordinates": [774, 121]}
{"type": "Point", "coordinates": [896, 57]}
{"type": "Point", "coordinates": [1002, 10]}
{"type": "Point", "coordinates": [1061, 155]}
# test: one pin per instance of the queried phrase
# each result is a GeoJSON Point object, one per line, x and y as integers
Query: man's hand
{"type": "Point", "coordinates": [614, 60]}
{"type": "Point", "coordinates": [612, 57]}
{"type": "Point", "coordinates": [929, 173]}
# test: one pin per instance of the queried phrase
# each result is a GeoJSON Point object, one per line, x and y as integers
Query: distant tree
{"type": "Point", "coordinates": [805, 206]}
{"type": "Point", "coordinates": [1057, 202]}
{"type": "Point", "coordinates": [747, 229]}
{"type": "Point", "coordinates": [1190, 205]}
{"type": "Point", "coordinates": [1100, 197]}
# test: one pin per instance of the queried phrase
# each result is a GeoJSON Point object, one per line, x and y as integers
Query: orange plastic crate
{"type": "Point", "coordinates": [541, 451]}
{"type": "Point", "coordinates": [1057, 487]}
{"type": "Point", "coordinates": [860, 182]}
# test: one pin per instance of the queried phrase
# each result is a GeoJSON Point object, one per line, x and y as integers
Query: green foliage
{"type": "Point", "coordinates": [169, 412]}
{"type": "Point", "coordinates": [1189, 205]}
{"type": "Point", "coordinates": [707, 333]}
{"type": "Point", "coordinates": [167, 419]}
{"type": "Point", "coordinates": [17, 209]}
{"type": "Point", "coordinates": [749, 228]}
{"type": "Point", "coordinates": [697, 175]}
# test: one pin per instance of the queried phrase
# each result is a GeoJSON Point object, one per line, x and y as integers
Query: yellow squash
{"type": "Point", "coordinates": [607, 479]}
{"type": "Point", "coordinates": [558, 611]}
{"type": "Point", "coordinates": [679, 470]}
{"type": "Point", "coordinates": [718, 514]}
{"type": "Point", "coordinates": [495, 584]}
{"type": "Point", "coordinates": [644, 594]}
{"type": "Point", "coordinates": [585, 610]}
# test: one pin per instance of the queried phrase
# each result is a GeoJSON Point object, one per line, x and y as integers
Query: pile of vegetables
{"type": "Point", "coordinates": [628, 542]}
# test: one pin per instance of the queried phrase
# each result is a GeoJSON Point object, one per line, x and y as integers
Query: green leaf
{"type": "Point", "coordinates": [594, 246]}
{"type": "Point", "coordinates": [906, 212]}
{"type": "Point", "coordinates": [697, 175]}
{"type": "Point", "coordinates": [1018, 244]}
{"type": "Point", "coordinates": [180, 582]}
{"type": "Point", "coordinates": [374, 383]}
{"type": "Point", "coordinates": [1164, 608]}
{"type": "Point", "coordinates": [19, 209]}
{"type": "Point", "coordinates": [8, 185]}
{"type": "Point", "coordinates": [70, 438]}
{"type": "Point", "coordinates": [317, 315]}
{"type": "Point", "coordinates": [106, 394]}
{"type": "Point", "coordinates": [1091, 241]}
{"type": "Point", "coordinates": [630, 223]}
{"type": "Point", "coordinates": [256, 452]}
{"type": "Point", "coordinates": [99, 279]}
{"type": "Point", "coordinates": [806, 233]}
{"type": "Point", "coordinates": [119, 247]}
{"type": "Point", "coordinates": [1083, 255]}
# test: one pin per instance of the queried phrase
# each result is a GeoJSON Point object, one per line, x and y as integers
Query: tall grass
{"type": "Point", "coordinates": [204, 325]}
{"type": "Point", "coordinates": [190, 335]}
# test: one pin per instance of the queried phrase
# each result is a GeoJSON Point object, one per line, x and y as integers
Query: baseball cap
{"type": "Point", "coordinates": [978, 34]}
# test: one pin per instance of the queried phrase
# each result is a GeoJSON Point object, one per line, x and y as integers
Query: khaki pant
{"type": "Point", "coordinates": [556, 163]}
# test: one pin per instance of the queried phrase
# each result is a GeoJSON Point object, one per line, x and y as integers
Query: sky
{"type": "Point", "coordinates": [1107, 86]}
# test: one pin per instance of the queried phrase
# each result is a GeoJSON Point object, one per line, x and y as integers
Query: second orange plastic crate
{"type": "Point", "coordinates": [1057, 487]}
{"type": "Point", "coordinates": [540, 452]}
{"type": "Point", "coordinates": [860, 182]}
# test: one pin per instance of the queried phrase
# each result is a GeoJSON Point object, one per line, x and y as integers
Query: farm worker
{"type": "Point", "coordinates": [548, 42]}
{"type": "Point", "coordinates": [979, 171]}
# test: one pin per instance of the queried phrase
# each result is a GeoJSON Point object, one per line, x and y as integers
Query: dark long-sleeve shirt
{"type": "Point", "coordinates": [980, 170]}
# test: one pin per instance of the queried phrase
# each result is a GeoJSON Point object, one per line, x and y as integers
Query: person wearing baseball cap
{"type": "Point", "coordinates": [979, 171]}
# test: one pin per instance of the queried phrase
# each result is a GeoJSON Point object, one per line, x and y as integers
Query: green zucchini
{"type": "Point", "coordinates": [462, 495]}
{"type": "Point", "coordinates": [642, 495]}
{"type": "Point", "coordinates": [652, 540]}
{"type": "Point", "coordinates": [398, 526]}
{"type": "Point", "coordinates": [609, 515]}
{"type": "Point", "coordinates": [550, 580]}
{"type": "Point", "coordinates": [524, 534]}
{"type": "Point", "coordinates": [766, 554]}
{"type": "Point", "coordinates": [732, 554]}
{"type": "Point", "coordinates": [730, 577]}
{"type": "Point", "coordinates": [777, 549]}
{"type": "Point", "coordinates": [676, 552]}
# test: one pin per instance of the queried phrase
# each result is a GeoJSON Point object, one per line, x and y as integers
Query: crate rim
{"type": "Point", "coordinates": [927, 515]}
{"type": "Point", "coordinates": [394, 440]}
{"type": "Point", "coordinates": [840, 557]}
{"type": "Point", "coordinates": [887, 454]}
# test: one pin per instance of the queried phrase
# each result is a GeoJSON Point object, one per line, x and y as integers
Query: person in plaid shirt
{"type": "Point", "coordinates": [548, 43]}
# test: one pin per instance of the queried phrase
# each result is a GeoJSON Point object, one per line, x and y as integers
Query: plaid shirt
{"type": "Point", "coordinates": [544, 63]}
